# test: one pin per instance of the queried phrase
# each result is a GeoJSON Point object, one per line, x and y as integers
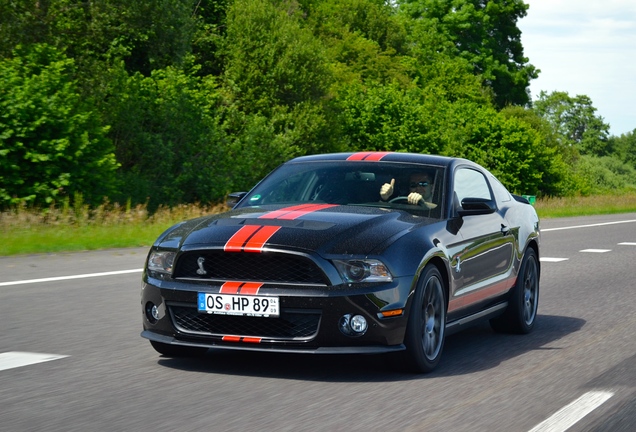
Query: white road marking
{"type": "Point", "coordinates": [548, 259]}
{"type": "Point", "coordinates": [552, 259]}
{"type": "Point", "coordinates": [16, 359]}
{"type": "Point", "coordinates": [627, 244]}
{"type": "Point", "coordinates": [60, 278]}
{"type": "Point", "coordinates": [588, 226]}
{"type": "Point", "coordinates": [595, 250]}
{"type": "Point", "coordinates": [567, 416]}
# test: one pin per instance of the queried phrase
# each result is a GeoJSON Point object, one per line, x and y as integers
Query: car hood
{"type": "Point", "coordinates": [325, 229]}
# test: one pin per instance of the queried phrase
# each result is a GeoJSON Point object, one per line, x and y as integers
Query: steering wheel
{"type": "Point", "coordinates": [421, 203]}
{"type": "Point", "coordinates": [399, 199]}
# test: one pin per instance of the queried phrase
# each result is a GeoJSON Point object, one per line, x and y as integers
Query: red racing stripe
{"type": "Point", "coordinates": [278, 213]}
{"type": "Point", "coordinates": [298, 213]}
{"type": "Point", "coordinates": [367, 156]}
{"type": "Point", "coordinates": [230, 287]}
{"type": "Point", "coordinates": [260, 237]}
{"type": "Point", "coordinates": [252, 238]}
{"type": "Point", "coordinates": [236, 242]}
{"type": "Point", "coordinates": [246, 339]}
{"type": "Point", "coordinates": [251, 288]}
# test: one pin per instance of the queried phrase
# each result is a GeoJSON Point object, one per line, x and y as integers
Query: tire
{"type": "Point", "coordinates": [426, 327]}
{"type": "Point", "coordinates": [177, 350]}
{"type": "Point", "coordinates": [523, 303]}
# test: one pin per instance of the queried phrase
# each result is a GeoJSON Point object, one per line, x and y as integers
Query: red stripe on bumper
{"type": "Point", "coordinates": [251, 288]}
{"type": "Point", "coordinates": [241, 339]}
{"type": "Point", "coordinates": [230, 287]}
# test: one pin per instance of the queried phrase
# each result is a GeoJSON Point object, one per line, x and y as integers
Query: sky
{"type": "Point", "coordinates": [585, 47]}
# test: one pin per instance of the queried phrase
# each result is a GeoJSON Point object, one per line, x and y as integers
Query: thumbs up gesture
{"type": "Point", "coordinates": [387, 190]}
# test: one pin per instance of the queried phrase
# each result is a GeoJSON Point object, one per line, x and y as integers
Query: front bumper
{"type": "Point", "coordinates": [309, 320]}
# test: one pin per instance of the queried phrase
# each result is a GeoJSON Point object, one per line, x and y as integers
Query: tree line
{"type": "Point", "coordinates": [179, 101]}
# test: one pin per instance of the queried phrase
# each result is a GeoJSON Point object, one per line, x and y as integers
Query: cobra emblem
{"type": "Point", "coordinates": [201, 270]}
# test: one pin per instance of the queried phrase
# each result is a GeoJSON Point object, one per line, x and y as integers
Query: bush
{"type": "Point", "coordinates": [52, 145]}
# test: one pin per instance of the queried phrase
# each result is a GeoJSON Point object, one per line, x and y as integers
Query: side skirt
{"type": "Point", "coordinates": [465, 322]}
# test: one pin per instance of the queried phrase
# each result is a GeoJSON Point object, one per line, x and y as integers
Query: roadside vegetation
{"type": "Point", "coordinates": [78, 228]}
{"type": "Point", "coordinates": [118, 118]}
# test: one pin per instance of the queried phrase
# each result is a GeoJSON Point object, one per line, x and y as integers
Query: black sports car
{"type": "Point", "coordinates": [368, 252]}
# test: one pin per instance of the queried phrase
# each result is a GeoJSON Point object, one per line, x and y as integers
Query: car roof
{"type": "Point", "coordinates": [385, 157]}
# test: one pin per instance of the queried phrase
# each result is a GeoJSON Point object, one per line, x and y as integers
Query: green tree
{"type": "Point", "coordinates": [574, 119]}
{"type": "Point", "coordinates": [207, 40]}
{"type": "Point", "coordinates": [167, 137]}
{"type": "Point", "coordinates": [278, 70]}
{"type": "Point", "coordinates": [51, 142]}
{"type": "Point", "coordinates": [271, 59]}
{"type": "Point", "coordinates": [485, 33]}
{"type": "Point", "coordinates": [147, 34]}
{"type": "Point", "coordinates": [624, 147]}
{"type": "Point", "coordinates": [387, 117]}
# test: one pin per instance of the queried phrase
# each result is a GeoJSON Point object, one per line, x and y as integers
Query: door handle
{"type": "Point", "coordinates": [505, 230]}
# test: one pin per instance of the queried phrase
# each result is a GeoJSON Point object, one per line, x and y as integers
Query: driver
{"type": "Point", "coordinates": [420, 188]}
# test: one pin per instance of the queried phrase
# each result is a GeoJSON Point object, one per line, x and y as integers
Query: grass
{"type": "Point", "coordinates": [64, 229]}
{"type": "Point", "coordinates": [27, 231]}
{"type": "Point", "coordinates": [585, 206]}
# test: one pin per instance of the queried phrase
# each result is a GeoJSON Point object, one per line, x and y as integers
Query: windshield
{"type": "Point", "coordinates": [353, 183]}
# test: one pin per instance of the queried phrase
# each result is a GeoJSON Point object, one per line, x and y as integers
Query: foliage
{"type": "Point", "coordinates": [167, 137]}
{"type": "Point", "coordinates": [271, 59]}
{"type": "Point", "coordinates": [146, 34]}
{"type": "Point", "coordinates": [173, 101]}
{"type": "Point", "coordinates": [485, 33]}
{"type": "Point", "coordinates": [574, 119]}
{"type": "Point", "coordinates": [624, 147]}
{"type": "Point", "coordinates": [51, 142]}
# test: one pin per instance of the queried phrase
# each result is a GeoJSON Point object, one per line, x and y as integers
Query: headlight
{"type": "Point", "coordinates": [364, 270]}
{"type": "Point", "coordinates": [161, 261]}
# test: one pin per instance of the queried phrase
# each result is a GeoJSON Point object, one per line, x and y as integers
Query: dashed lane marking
{"type": "Point", "coordinates": [595, 250]}
{"type": "Point", "coordinates": [16, 359]}
{"type": "Point", "coordinates": [549, 259]}
{"type": "Point", "coordinates": [569, 415]}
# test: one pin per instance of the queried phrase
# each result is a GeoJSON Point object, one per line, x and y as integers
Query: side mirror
{"type": "Point", "coordinates": [234, 198]}
{"type": "Point", "coordinates": [476, 206]}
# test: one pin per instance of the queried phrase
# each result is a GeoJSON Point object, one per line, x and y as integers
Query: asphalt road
{"type": "Point", "coordinates": [578, 368]}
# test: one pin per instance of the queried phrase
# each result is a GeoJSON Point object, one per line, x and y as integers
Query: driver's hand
{"type": "Point", "coordinates": [414, 198]}
{"type": "Point", "coordinates": [387, 190]}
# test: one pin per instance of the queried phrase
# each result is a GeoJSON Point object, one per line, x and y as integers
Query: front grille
{"type": "Point", "coordinates": [291, 325]}
{"type": "Point", "coordinates": [247, 266]}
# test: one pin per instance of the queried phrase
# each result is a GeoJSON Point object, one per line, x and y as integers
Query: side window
{"type": "Point", "coordinates": [470, 183]}
{"type": "Point", "coordinates": [501, 193]}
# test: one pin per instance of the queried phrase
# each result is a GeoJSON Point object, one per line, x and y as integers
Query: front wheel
{"type": "Point", "coordinates": [426, 327]}
{"type": "Point", "coordinates": [521, 313]}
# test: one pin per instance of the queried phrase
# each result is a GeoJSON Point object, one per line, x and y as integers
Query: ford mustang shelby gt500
{"type": "Point", "coordinates": [369, 252]}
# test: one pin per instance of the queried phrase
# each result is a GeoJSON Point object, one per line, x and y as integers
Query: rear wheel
{"type": "Point", "coordinates": [521, 313]}
{"type": "Point", "coordinates": [426, 326]}
{"type": "Point", "coordinates": [177, 350]}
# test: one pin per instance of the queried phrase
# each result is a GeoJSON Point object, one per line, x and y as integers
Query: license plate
{"type": "Point", "coordinates": [233, 304]}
